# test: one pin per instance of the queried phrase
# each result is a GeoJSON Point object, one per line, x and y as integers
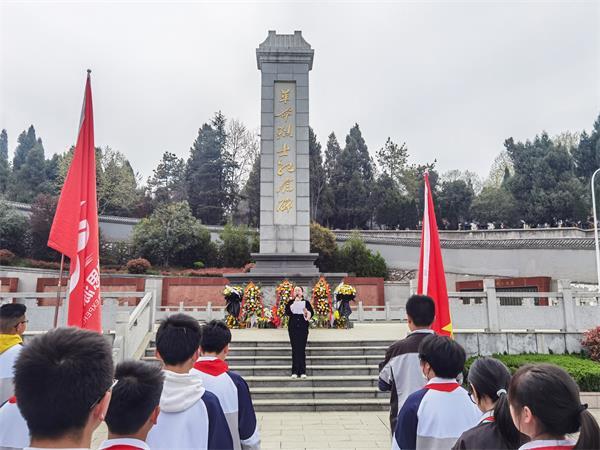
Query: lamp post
{"type": "Point", "coordinates": [596, 229]}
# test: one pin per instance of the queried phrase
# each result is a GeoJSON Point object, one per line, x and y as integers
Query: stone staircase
{"type": "Point", "coordinates": [342, 376]}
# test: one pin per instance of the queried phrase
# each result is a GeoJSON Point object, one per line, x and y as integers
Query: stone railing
{"type": "Point", "coordinates": [134, 329]}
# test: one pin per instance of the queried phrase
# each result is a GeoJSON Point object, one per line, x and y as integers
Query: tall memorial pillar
{"type": "Point", "coordinates": [284, 61]}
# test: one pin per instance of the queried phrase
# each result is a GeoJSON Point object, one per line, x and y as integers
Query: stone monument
{"type": "Point", "coordinates": [284, 61]}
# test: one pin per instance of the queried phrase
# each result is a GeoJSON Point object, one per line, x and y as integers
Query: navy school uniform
{"type": "Point", "coordinates": [434, 417]}
{"type": "Point", "coordinates": [234, 395]}
{"type": "Point", "coordinates": [484, 436]}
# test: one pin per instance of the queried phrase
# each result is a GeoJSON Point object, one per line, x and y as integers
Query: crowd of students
{"type": "Point", "coordinates": [537, 408]}
{"type": "Point", "coordinates": [65, 386]}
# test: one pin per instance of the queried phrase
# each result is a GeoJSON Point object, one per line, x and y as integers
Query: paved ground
{"type": "Point", "coordinates": [361, 332]}
{"type": "Point", "coordinates": [319, 431]}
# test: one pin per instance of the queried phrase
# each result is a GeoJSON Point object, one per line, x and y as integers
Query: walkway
{"type": "Point", "coordinates": [319, 431]}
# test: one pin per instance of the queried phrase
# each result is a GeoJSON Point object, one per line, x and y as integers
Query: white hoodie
{"type": "Point", "coordinates": [190, 417]}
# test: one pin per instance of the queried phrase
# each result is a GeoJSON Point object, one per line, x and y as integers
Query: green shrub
{"type": "Point", "coordinates": [199, 265]}
{"type": "Point", "coordinates": [173, 236]}
{"type": "Point", "coordinates": [235, 246]}
{"type": "Point", "coordinates": [356, 259]}
{"type": "Point", "coordinates": [322, 241]}
{"type": "Point", "coordinates": [14, 230]}
{"type": "Point", "coordinates": [585, 372]}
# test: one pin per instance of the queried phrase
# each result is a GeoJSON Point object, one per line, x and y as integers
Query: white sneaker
{"type": "Point", "coordinates": [294, 376]}
{"type": "Point", "coordinates": [303, 376]}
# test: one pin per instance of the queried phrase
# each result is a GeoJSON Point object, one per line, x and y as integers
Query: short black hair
{"type": "Point", "coordinates": [421, 309]}
{"type": "Point", "coordinates": [177, 338]}
{"type": "Point", "coordinates": [135, 396]}
{"type": "Point", "coordinates": [445, 356]}
{"type": "Point", "coordinates": [215, 336]}
{"type": "Point", "coordinates": [59, 376]}
{"type": "Point", "coordinates": [10, 316]}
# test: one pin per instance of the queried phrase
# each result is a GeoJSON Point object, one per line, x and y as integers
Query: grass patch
{"type": "Point", "coordinates": [584, 371]}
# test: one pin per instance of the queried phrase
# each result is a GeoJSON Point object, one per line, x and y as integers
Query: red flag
{"type": "Point", "coordinates": [432, 279]}
{"type": "Point", "coordinates": [74, 231]}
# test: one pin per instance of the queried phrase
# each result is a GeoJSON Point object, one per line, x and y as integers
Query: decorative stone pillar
{"type": "Point", "coordinates": [284, 61]}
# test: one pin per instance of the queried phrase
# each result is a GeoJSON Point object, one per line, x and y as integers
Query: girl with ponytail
{"type": "Point", "coordinates": [489, 380]}
{"type": "Point", "coordinates": [545, 405]}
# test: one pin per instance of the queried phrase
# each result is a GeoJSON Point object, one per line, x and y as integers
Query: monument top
{"type": "Point", "coordinates": [284, 48]}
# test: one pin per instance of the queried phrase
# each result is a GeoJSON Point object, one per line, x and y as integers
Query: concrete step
{"type": "Point", "coordinates": [311, 344]}
{"type": "Point", "coordinates": [326, 404]}
{"type": "Point", "coordinates": [303, 393]}
{"type": "Point", "coordinates": [311, 369]}
{"type": "Point", "coordinates": [286, 381]}
{"type": "Point", "coordinates": [318, 360]}
{"type": "Point", "coordinates": [286, 351]}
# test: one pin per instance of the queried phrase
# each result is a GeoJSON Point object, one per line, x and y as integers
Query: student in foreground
{"type": "Point", "coordinates": [489, 380]}
{"type": "Point", "coordinates": [230, 388]}
{"type": "Point", "coordinates": [133, 408]}
{"type": "Point", "coordinates": [435, 416]}
{"type": "Point", "coordinates": [12, 326]}
{"type": "Point", "coordinates": [190, 416]}
{"type": "Point", "coordinates": [545, 405]}
{"type": "Point", "coordinates": [63, 382]}
{"type": "Point", "coordinates": [401, 372]}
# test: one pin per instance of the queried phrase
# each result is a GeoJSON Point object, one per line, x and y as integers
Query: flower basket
{"type": "Point", "coordinates": [233, 298]}
{"type": "Point", "coordinates": [322, 305]}
{"type": "Point", "coordinates": [252, 306]}
{"type": "Point", "coordinates": [283, 294]}
{"type": "Point", "coordinates": [343, 295]}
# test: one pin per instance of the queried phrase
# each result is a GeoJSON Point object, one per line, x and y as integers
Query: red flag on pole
{"type": "Point", "coordinates": [74, 231]}
{"type": "Point", "coordinates": [432, 279]}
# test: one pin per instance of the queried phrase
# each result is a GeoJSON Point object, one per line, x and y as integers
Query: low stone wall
{"type": "Point", "coordinates": [515, 343]}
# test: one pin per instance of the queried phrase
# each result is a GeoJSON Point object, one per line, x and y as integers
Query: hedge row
{"type": "Point", "coordinates": [585, 372]}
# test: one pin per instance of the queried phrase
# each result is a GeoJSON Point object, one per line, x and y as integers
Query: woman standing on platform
{"type": "Point", "coordinates": [299, 312]}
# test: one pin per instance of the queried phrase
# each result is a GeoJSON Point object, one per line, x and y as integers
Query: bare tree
{"type": "Point", "coordinates": [241, 148]}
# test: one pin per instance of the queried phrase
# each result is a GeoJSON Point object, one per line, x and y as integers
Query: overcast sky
{"type": "Point", "coordinates": [452, 79]}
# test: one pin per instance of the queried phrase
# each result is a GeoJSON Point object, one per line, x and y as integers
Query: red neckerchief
{"type": "Point", "coordinates": [442, 387]}
{"type": "Point", "coordinates": [488, 419]}
{"type": "Point", "coordinates": [122, 447]}
{"type": "Point", "coordinates": [214, 367]}
{"type": "Point", "coordinates": [13, 399]}
{"type": "Point", "coordinates": [553, 447]}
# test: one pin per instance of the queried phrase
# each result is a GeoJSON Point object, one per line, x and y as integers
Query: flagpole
{"type": "Point", "coordinates": [60, 274]}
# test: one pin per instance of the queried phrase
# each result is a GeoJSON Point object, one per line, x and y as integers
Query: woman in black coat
{"type": "Point", "coordinates": [299, 312]}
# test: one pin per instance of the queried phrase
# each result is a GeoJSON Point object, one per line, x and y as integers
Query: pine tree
{"type": "Point", "coordinates": [332, 153]}
{"type": "Point", "coordinates": [317, 174]}
{"type": "Point", "coordinates": [28, 178]}
{"type": "Point", "coordinates": [167, 184]}
{"type": "Point", "coordinates": [208, 173]}
{"type": "Point", "coordinates": [4, 167]}
{"type": "Point", "coordinates": [25, 142]}
{"type": "Point", "coordinates": [351, 183]}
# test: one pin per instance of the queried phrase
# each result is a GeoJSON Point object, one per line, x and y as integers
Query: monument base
{"type": "Point", "coordinates": [272, 268]}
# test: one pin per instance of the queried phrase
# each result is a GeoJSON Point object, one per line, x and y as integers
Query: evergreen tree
{"type": "Point", "coordinates": [455, 200]}
{"type": "Point", "coordinates": [28, 177]}
{"type": "Point", "coordinates": [351, 183]}
{"type": "Point", "coordinates": [317, 174]}
{"type": "Point", "coordinates": [208, 173]}
{"type": "Point", "coordinates": [25, 142]}
{"type": "Point", "coordinates": [117, 184]}
{"type": "Point", "coordinates": [587, 154]}
{"type": "Point", "coordinates": [332, 153]}
{"type": "Point", "coordinates": [392, 159]}
{"type": "Point", "coordinates": [4, 167]}
{"type": "Point", "coordinates": [167, 184]}
{"type": "Point", "coordinates": [544, 182]}
{"type": "Point", "coordinates": [393, 209]}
